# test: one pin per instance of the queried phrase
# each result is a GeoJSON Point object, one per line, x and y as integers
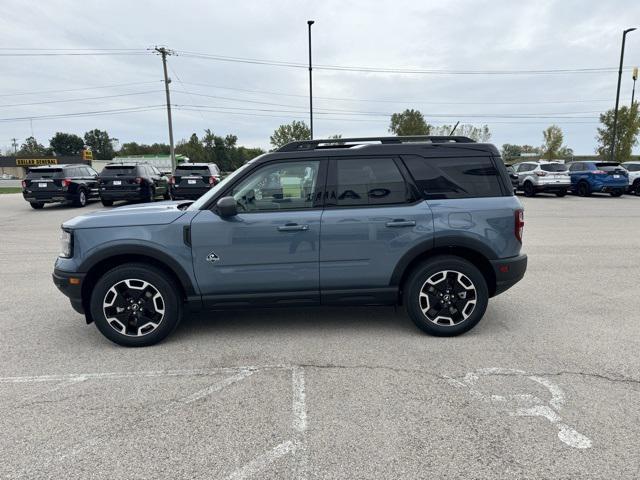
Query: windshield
{"type": "Point", "coordinates": [204, 199]}
{"type": "Point", "coordinates": [554, 167]}
{"type": "Point", "coordinates": [45, 173]}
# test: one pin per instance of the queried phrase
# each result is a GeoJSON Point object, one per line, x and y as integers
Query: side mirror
{"type": "Point", "coordinates": [227, 207]}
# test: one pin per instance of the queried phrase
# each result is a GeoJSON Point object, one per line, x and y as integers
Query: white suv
{"type": "Point", "coordinates": [634, 176]}
{"type": "Point", "coordinates": [542, 176]}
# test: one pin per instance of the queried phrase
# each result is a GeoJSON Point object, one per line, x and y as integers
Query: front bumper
{"type": "Point", "coordinates": [63, 280]}
{"type": "Point", "coordinates": [508, 272]}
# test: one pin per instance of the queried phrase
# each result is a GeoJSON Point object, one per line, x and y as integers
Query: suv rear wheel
{"type": "Point", "coordinates": [529, 189]}
{"type": "Point", "coordinates": [36, 205]}
{"type": "Point", "coordinates": [106, 203]}
{"type": "Point", "coordinates": [81, 199]}
{"type": "Point", "coordinates": [583, 189]}
{"type": "Point", "coordinates": [135, 305]}
{"type": "Point", "coordinates": [446, 296]}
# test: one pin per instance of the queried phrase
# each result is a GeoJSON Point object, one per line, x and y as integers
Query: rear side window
{"type": "Point", "coordinates": [633, 167]}
{"type": "Point", "coordinates": [45, 173]}
{"type": "Point", "coordinates": [464, 177]}
{"type": "Point", "coordinates": [369, 181]}
{"type": "Point", "coordinates": [553, 167]}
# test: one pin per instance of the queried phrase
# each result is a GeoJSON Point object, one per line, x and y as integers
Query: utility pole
{"type": "Point", "coordinates": [309, 23]}
{"type": "Point", "coordinates": [615, 114]}
{"type": "Point", "coordinates": [164, 52]}
{"type": "Point", "coordinates": [14, 144]}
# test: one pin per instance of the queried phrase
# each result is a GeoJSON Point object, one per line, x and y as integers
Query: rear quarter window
{"type": "Point", "coordinates": [455, 177]}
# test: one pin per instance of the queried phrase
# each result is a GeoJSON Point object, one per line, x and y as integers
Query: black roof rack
{"type": "Point", "coordinates": [343, 142]}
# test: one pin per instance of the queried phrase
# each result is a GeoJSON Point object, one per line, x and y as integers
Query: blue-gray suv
{"type": "Point", "coordinates": [427, 222]}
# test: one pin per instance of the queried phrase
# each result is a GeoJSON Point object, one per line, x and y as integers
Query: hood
{"type": "Point", "coordinates": [160, 213]}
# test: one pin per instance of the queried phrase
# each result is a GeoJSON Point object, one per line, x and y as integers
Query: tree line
{"type": "Point", "coordinates": [224, 150]}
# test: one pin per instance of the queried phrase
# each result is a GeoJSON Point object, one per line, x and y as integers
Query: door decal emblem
{"type": "Point", "coordinates": [212, 257]}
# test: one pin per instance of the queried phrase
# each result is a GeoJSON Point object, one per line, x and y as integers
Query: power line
{"type": "Point", "coordinates": [85, 114]}
{"type": "Point", "coordinates": [80, 99]}
{"type": "Point", "coordinates": [79, 89]}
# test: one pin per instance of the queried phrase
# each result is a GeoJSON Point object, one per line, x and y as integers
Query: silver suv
{"type": "Point", "coordinates": [542, 176]}
{"type": "Point", "coordinates": [634, 176]}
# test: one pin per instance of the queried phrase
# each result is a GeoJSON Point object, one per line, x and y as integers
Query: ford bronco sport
{"type": "Point", "coordinates": [427, 222]}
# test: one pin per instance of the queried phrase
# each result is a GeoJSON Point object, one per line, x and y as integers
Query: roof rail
{"type": "Point", "coordinates": [342, 142]}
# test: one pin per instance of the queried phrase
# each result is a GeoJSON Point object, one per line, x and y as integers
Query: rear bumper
{"type": "Point", "coordinates": [508, 272]}
{"type": "Point", "coordinates": [47, 197]}
{"type": "Point", "coordinates": [62, 280]}
{"type": "Point", "coordinates": [187, 193]}
{"type": "Point", "coordinates": [122, 194]}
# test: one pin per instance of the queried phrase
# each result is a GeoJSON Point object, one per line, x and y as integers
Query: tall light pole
{"type": "Point", "coordinates": [635, 77]}
{"type": "Point", "coordinates": [309, 23]}
{"type": "Point", "coordinates": [615, 114]}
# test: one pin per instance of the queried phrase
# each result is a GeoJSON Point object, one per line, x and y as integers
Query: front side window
{"type": "Point", "coordinates": [369, 181]}
{"type": "Point", "coordinates": [464, 177]}
{"type": "Point", "coordinates": [576, 167]}
{"type": "Point", "coordinates": [278, 186]}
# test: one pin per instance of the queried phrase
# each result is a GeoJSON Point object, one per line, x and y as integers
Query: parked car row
{"type": "Point", "coordinates": [78, 184]}
{"type": "Point", "coordinates": [581, 178]}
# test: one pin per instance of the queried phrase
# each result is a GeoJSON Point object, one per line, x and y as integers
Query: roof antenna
{"type": "Point", "coordinates": [454, 128]}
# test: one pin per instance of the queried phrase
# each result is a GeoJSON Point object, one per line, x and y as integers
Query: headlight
{"type": "Point", "coordinates": [66, 244]}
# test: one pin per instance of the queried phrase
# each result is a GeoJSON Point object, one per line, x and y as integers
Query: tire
{"type": "Point", "coordinates": [529, 189]}
{"type": "Point", "coordinates": [167, 195]}
{"type": "Point", "coordinates": [106, 203]}
{"type": "Point", "coordinates": [149, 196]}
{"type": "Point", "coordinates": [439, 273]}
{"type": "Point", "coordinates": [147, 324]}
{"type": "Point", "coordinates": [583, 189]}
{"type": "Point", "coordinates": [81, 199]}
{"type": "Point", "coordinates": [617, 193]}
{"type": "Point", "coordinates": [636, 187]}
{"type": "Point", "coordinates": [36, 205]}
{"type": "Point", "coordinates": [561, 193]}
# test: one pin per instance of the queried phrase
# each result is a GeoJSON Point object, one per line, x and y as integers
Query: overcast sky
{"type": "Point", "coordinates": [251, 99]}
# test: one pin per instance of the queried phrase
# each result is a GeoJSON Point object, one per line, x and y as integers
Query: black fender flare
{"type": "Point", "coordinates": [141, 249]}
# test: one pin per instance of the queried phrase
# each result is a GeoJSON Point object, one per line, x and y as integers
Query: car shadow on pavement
{"type": "Point", "coordinates": [294, 320]}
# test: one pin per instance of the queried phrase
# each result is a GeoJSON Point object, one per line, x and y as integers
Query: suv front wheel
{"type": "Point", "coordinates": [135, 305]}
{"type": "Point", "coordinates": [446, 296]}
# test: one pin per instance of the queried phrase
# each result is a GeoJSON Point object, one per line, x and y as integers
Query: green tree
{"type": "Point", "coordinates": [530, 149]}
{"type": "Point", "coordinates": [66, 144]}
{"type": "Point", "coordinates": [192, 149]}
{"type": "Point", "coordinates": [32, 147]}
{"type": "Point", "coordinates": [511, 152]}
{"type": "Point", "coordinates": [132, 148]}
{"type": "Point", "coordinates": [100, 143]}
{"type": "Point", "coordinates": [409, 122]}
{"type": "Point", "coordinates": [553, 138]}
{"type": "Point", "coordinates": [291, 132]}
{"type": "Point", "coordinates": [626, 133]}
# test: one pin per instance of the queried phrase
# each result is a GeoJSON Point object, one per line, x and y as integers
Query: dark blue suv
{"type": "Point", "coordinates": [428, 222]}
{"type": "Point", "coordinates": [606, 177]}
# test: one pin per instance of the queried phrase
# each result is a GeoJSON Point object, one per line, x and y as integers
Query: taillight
{"type": "Point", "coordinates": [519, 224]}
{"type": "Point", "coordinates": [24, 184]}
{"type": "Point", "coordinates": [138, 180]}
{"type": "Point", "coordinates": [541, 173]}
{"type": "Point", "coordinates": [66, 182]}
{"type": "Point", "coordinates": [212, 180]}
{"type": "Point", "coordinates": [599, 172]}
{"type": "Point", "coordinates": [172, 180]}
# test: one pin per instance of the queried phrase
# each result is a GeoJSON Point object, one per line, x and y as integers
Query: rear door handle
{"type": "Point", "coordinates": [401, 223]}
{"type": "Point", "coordinates": [293, 227]}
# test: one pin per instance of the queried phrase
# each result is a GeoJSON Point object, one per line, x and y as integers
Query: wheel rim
{"type": "Point", "coordinates": [528, 189]}
{"type": "Point", "coordinates": [133, 307]}
{"type": "Point", "coordinates": [83, 198]}
{"type": "Point", "coordinates": [448, 298]}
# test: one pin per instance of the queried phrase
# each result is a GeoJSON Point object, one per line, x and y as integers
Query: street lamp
{"type": "Point", "coordinates": [615, 114]}
{"type": "Point", "coordinates": [635, 77]}
{"type": "Point", "coordinates": [309, 23]}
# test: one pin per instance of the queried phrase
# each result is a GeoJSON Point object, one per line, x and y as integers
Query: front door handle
{"type": "Point", "coordinates": [293, 227]}
{"type": "Point", "coordinates": [400, 222]}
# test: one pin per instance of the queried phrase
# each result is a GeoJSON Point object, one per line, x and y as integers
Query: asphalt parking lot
{"type": "Point", "coordinates": [546, 386]}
